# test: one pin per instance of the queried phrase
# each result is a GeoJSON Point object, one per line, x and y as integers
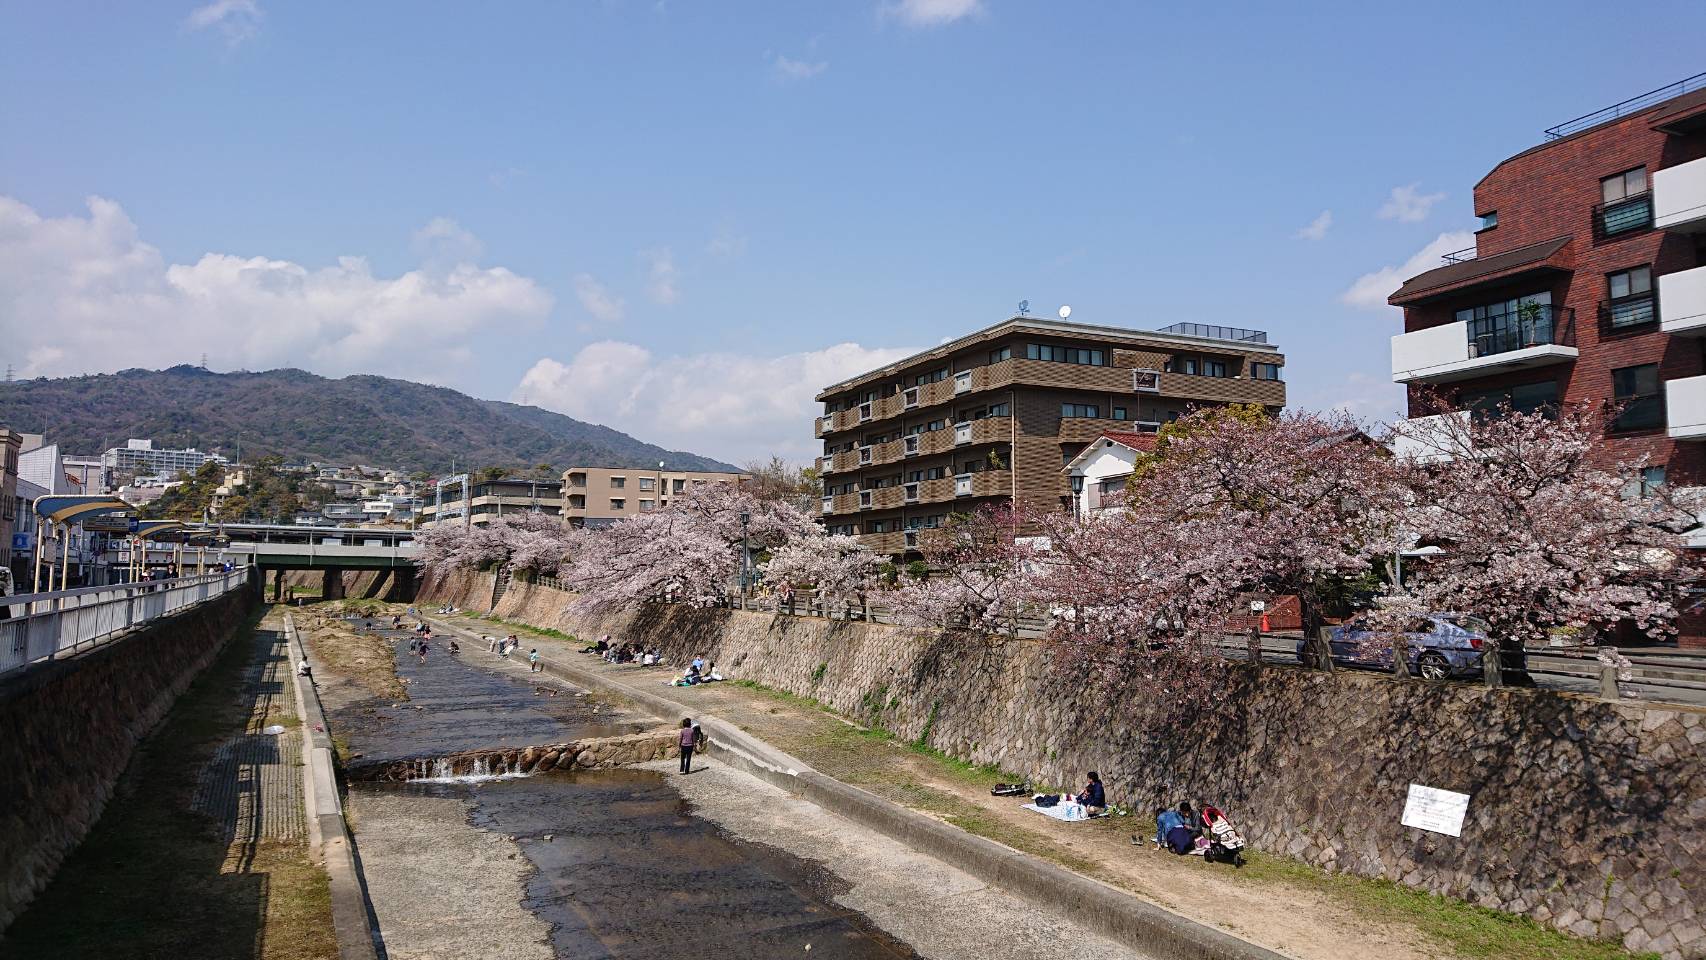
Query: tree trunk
{"type": "Point", "coordinates": [1313, 635]}
{"type": "Point", "coordinates": [1491, 669]}
{"type": "Point", "coordinates": [1400, 656]}
{"type": "Point", "coordinates": [1255, 646]}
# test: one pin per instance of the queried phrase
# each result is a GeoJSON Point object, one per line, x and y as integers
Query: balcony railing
{"type": "Point", "coordinates": [1631, 105]}
{"type": "Point", "coordinates": [1623, 216]}
{"type": "Point", "coordinates": [1628, 315]}
{"type": "Point", "coordinates": [1538, 325]}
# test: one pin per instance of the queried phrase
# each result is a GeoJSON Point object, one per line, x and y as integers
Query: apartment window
{"type": "Point", "coordinates": [1264, 371]}
{"type": "Point", "coordinates": [1626, 205]}
{"type": "Point", "coordinates": [1629, 297]}
{"type": "Point", "coordinates": [678, 486]}
{"type": "Point", "coordinates": [935, 473]}
{"type": "Point", "coordinates": [1510, 324]}
{"type": "Point", "coordinates": [1524, 398]}
{"type": "Point", "coordinates": [1080, 410]}
{"type": "Point", "coordinates": [1489, 220]}
{"type": "Point", "coordinates": [1637, 391]}
{"type": "Point", "coordinates": [1652, 480]}
{"type": "Point", "coordinates": [931, 377]}
{"type": "Point", "coordinates": [972, 466]}
{"type": "Point", "coordinates": [915, 476]}
{"type": "Point", "coordinates": [647, 483]}
{"type": "Point", "coordinates": [617, 483]}
{"type": "Point", "coordinates": [1120, 413]}
{"type": "Point", "coordinates": [646, 505]}
{"type": "Point", "coordinates": [617, 503]}
{"type": "Point", "coordinates": [1000, 410]}
{"type": "Point", "coordinates": [879, 526]}
{"type": "Point", "coordinates": [935, 425]}
{"type": "Point", "coordinates": [1053, 354]}
{"type": "Point", "coordinates": [1005, 353]}
{"type": "Point", "coordinates": [1199, 366]}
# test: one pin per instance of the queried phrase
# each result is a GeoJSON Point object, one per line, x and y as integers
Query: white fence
{"type": "Point", "coordinates": [40, 626]}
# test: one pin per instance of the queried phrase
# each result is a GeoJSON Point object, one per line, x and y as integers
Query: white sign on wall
{"type": "Point", "coordinates": [1430, 808]}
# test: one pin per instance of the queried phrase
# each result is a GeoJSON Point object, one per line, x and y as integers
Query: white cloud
{"type": "Point", "coordinates": [1371, 289]}
{"type": "Point", "coordinates": [789, 69]}
{"type": "Point", "coordinates": [85, 294]}
{"type": "Point", "coordinates": [930, 13]}
{"type": "Point", "coordinates": [1407, 205]}
{"type": "Point", "coordinates": [236, 20]}
{"type": "Point", "coordinates": [1317, 228]}
{"type": "Point", "coordinates": [727, 244]}
{"type": "Point", "coordinates": [445, 240]}
{"type": "Point", "coordinates": [661, 276]}
{"type": "Point", "coordinates": [598, 301]}
{"type": "Point", "coordinates": [734, 407]}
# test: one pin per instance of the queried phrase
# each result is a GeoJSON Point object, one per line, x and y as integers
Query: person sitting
{"type": "Point", "coordinates": [1193, 819]}
{"type": "Point", "coordinates": [692, 674]}
{"type": "Point", "coordinates": [1172, 833]}
{"type": "Point", "coordinates": [303, 670]}
{"type": "Point", "coordinates": [1225, 845]}
{"type": "Point", "coordinates": [602, 645]}
{"type": "Point", "coordinates": [711, 672]}
{"type": "Point", "coordinates": [1093, 798]}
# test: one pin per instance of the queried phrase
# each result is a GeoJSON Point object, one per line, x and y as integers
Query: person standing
{"type": "Point", "coordinates": [689, 740]}
{"type": "Point", "coordinates": [533, 661]}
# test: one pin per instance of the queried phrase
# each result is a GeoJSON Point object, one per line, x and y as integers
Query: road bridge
{"type": "Point", "coordinates": [275, 548]}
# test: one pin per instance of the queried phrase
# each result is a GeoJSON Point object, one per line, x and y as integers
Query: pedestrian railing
{"type": "Point", "coordinates": [42, 626]}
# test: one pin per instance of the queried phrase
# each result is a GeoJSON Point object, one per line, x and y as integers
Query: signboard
{"type": "Point", "coordinates": [23, 541]}
{"type": "Point", "coordinates": [1146, 381]}
{"type": "Point", "coordinates": [1430, 808]}
{"type": "Point", "coordinates": [1257, 606]}
{"type": "Point", "coordinates": [133, 525]}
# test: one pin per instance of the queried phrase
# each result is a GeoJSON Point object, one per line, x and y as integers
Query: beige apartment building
{"type": "Point", "coordinates": [600, 496]}
{"type": "Point", "coordinates": [997, 414]}
{"type": "Point", "coordinates": [490, 499]}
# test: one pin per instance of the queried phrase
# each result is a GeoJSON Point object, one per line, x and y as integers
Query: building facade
{"type": "Point", "coordinates": [141, 458]}
{"type": "Point", "coordinates": [600, 496]}
{"type": "Point", "coordinates": [995, 415]}
{"type": "Point", "coordinates": [1097, 477]}
{"type": "Point", "coordinates": [491, 499]}
{"type": "Point", "coordinates": [1587, 282]}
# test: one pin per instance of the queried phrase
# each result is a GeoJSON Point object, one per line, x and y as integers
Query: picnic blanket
{"type": "Point", "coordinates": [1069, 811]}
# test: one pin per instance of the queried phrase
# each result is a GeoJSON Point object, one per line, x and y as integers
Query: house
{"type": "Point", "coordinates": [1099, 472]}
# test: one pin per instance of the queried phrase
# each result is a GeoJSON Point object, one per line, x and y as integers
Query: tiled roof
{"type": "Point", "coordinates": [1457, 275]}
{"type": "Point", "coordinates": [1137, 441]}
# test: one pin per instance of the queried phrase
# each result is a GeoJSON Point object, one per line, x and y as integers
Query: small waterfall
{"type": "Point", "coordinates": [479, 770]}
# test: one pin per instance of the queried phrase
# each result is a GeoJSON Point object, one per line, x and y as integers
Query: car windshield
{"type": "Point", "coordinates": [1469, 623]}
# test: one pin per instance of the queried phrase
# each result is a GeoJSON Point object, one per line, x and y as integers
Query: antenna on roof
{"type": "Point", "coordinates": [1024, 310]}
{"type": "Point", "coordinates": [204, 361]}
{"type": "Point", "coordinates": [1065, 311]}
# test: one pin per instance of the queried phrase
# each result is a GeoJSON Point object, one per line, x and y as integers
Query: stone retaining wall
{"type": "Point", "coordinates": [69, 727]}
{"type": "Point", "coordinates": [595, 753]}
{"type": "Point", "coordinates": [1586, 815]}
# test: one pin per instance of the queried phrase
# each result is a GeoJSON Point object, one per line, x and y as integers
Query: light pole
{"type": "Point", "coordinates": [744, 552]}
{"type": "Point", "coordinates": [660, 485]}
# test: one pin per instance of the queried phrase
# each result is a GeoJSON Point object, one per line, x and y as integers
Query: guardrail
{"type": "Point", "coordinates": [42, 626]}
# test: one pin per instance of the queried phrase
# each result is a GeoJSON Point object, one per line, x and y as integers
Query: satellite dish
{"type": "Point", "coordinates": [1065, 312]}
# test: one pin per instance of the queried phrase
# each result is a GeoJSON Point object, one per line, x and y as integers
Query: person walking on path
{"type": "Point", "coordinates": [422, 650]}
{"type": "Point", "coordinates": [533, 661]}
{"type": "Point", "coordinates": [689, 740]}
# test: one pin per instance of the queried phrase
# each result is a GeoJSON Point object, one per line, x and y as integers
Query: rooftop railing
{"type": "Point", "coordinates": [1631, 105]}
{"type": "Point", "coordinates": [1211, 331]}
{"type": "Point", "coordinates": [1460, 256]}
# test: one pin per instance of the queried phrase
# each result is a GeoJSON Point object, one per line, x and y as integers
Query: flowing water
{"type": "Point", "coordinates": [617, 865]}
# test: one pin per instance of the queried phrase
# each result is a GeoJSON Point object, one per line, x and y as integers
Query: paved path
{"type": "Point", "coordinates": [253, 782]}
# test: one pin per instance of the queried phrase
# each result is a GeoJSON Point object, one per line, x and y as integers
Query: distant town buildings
{"type": "Point", "coordinates": [600, 496]}
{"type": "Point", "coordinates": [995, 415]}
{"type": "Point", "coordinates": [143, 458]}
{"type": "Point", "coordinates": [490, 499]}
{"type": "Point", "coordinates": [1587, 283]}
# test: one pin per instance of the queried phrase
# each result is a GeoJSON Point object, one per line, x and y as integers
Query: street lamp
{"type": "Point", "coordinates": [744, 551]}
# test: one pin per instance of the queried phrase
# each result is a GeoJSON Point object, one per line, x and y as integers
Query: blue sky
{"type": "Point", "coordinates": [682, 218]}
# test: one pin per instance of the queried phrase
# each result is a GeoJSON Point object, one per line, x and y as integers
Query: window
{"type": "Point", "coordinates": [678, 485]}
{"type": "Point", "coordinates": [1120, 414]}
{"type": "Point", "coordinates": [1489, 220]}
{"type": "Point", "coordinates": [935, 425]}
{"type": "Point", "coordinates": [1510, 324]}
{"type": "Point", "coordinates": [617, 483]}
{"type": "Point", "coordinates": [617, 503]}
{"type": "Point", "coordinates": [1213, 368]}
{"type": "Point", "coordinates": [646, 505]}
{"type": "Point", "coordinates": [915, 476]}
{"type": "Point", "coordinates": [647, 483]}
{"type": "Point", "coordinates": [972, 466]}
{"type": "Point", "coordinates": [879, 526]}
{"type": "Point", "coordinates": [1043, 351]}
{"type": "Point", "coordinates": [1652, 479]}
{"type": "Point", "coordinates": [1526, 398]}
{"type": "Point", "coordinates": [1630, 297]}
{"type": "Point", "coordinates": [1000, 410]}
{"type": "Point", "coordinates": [1080, 410]}
{"type": "Point", "coordinates": [1005, 353]}
{"type": "Point", "coordinates": [931, 377]}
{"type": "Point", "coordinates": [935, 473]}
{"type": "Point", "coordinates": [1626, 204]}
{"type": "Point", "coordinates": [1264, 371]}
{"type": "Point", "coordinates": [1636, 390]}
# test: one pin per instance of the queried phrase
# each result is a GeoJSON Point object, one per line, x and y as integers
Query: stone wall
{"type": "Point", "coordinates": [69, 727]}
{"type": "Point", "coordinates": [1587, 815]}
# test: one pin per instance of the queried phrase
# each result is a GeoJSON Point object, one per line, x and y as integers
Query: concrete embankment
{"type": "Point", "coordinates": [595, 753]}
{"type": "Point", "coordinates": [69, 727]}
{"type": "Point", "coordinates": [1584, 814]}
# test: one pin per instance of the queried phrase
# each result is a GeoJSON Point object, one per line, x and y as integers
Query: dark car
{"type": "Point", "coordinates": [1439, 645]}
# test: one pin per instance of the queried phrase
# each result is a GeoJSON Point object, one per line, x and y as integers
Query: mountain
{"type": "Point", "coordinates": [300, 416]}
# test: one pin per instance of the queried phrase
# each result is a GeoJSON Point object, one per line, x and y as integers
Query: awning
{"type": "Point", "coordinates": [149, 529]}
{"type": "Point", "coordinates": [70, 509]}
{"type": "Point", "coordinates": [1548, 255]}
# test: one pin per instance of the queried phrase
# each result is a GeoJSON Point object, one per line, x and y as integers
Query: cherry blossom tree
{"type": "Point", "coordinates": [523, 541]}
{"type": "Point", "coordinates": [977, 564]}
{"type": "Point", "coordinates": [835, 567]}
{"type": "Point", "coordinates": [1536, 533]}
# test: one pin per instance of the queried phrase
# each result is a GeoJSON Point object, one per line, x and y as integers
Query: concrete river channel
{"type": "Point", "coordinates": [631, 862]}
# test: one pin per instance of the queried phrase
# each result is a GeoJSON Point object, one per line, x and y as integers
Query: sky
{"type": "Point", "coordinates": [681, 219]}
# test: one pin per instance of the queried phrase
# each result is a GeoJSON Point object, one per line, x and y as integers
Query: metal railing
{"type": "Point", "coordinates": [42, 626]}
{"type": "Point", "coordinates": [1618, 217]}
{"type": "Point", "coordinates": [1461, 256]}
{"type": "Point", "coordinates": [1210, 331]}
{"type": "Point", "coordinates": [1541, 324]}
{"type": "Point", "coordinates": [1626, 107]}
{"type": "Point", "coordinates": [1627, 315]}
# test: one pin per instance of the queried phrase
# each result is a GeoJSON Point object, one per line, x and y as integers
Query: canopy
{"type": "Point", "coordinates": [70, 509]}
{"type": "Point", "coordinates": [149, 529]}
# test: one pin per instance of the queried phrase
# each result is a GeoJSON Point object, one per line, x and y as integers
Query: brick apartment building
{"type": "Point", "coordinates": [1587, 282]}
{"type": "Point", "coordinates": [600, 496]}
{"type": "Point", "coordinates": [995, 415]}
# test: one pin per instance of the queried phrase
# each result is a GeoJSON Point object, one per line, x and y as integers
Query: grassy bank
{"type": "Point", "coordinates": [156, 879]}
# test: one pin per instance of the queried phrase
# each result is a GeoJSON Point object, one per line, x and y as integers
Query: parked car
{"type": "Point", "coordinates": [1440, 646]}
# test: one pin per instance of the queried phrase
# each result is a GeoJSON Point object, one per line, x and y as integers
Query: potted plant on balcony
{"type": "Point", "coordinates": [1529, 318]}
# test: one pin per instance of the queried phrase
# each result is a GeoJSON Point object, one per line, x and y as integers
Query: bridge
{"type": "Point", "coordinates": [273, 549]}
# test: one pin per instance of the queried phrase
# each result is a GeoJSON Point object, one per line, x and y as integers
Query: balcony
{"type": "Point", "coordinates": [825, 424]}
{"type": "Point", "coordinates": [1436, 439]}
{"type": "Point", "coordinates": [1454, 351]}
{"type": "Point", "coordinates": [828, 505]}
{"type": "Point", "coordinates": [1682, 302]}
{"type": "Point", "coordinates": [1622, 217]}
{"type": "Point", "coordinates": [1685, 408]}
{"type": "Point", "coordinates": [1627, 315]}
{"type": "Point", "coordinates": [884, 543]}
{"type": "Point", "coordinates": [1679, 197]}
